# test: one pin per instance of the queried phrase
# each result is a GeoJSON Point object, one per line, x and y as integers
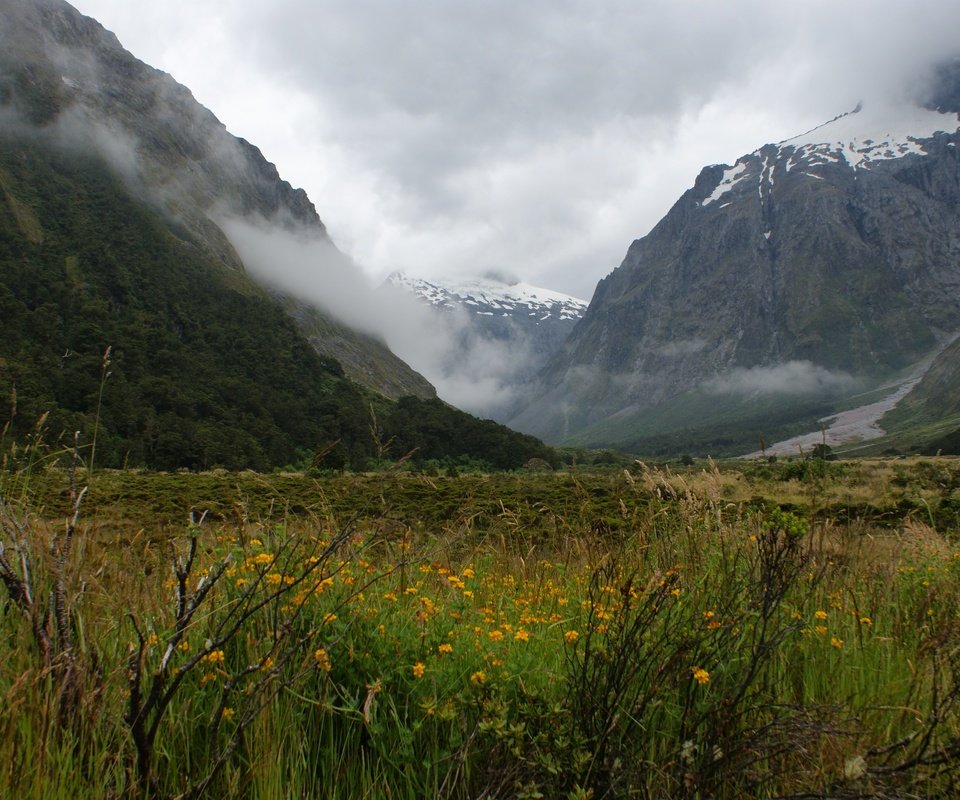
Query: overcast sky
{"type": "Point", "coordinates": [536, 137]}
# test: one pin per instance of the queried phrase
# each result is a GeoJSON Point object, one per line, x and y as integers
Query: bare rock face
{"type": "Point", "coordinates": [810, 267]}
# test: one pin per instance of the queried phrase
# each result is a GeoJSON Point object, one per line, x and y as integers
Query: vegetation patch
{"type": "Point", "coordinates": [709, 632]}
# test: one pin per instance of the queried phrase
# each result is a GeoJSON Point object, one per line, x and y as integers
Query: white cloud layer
{"type": "Point", "coordinates": [473, 373]}
{"type": "Point", "coordinates": [539, 137]}
{"type": "Point", "coordinates": [790, 378]}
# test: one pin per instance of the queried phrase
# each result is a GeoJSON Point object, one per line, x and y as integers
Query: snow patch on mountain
{"type": "Point", "coordinates": [731, 177]}
{"type": "Point", "coordinates": [489, 296]}
{"type": "Point", "coordinates": [873, 133]}
{"type": "Point", "coordinates": [858, 139]}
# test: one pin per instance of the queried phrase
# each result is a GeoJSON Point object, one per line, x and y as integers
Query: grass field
{"type": "Point", "coordinates": [749, 630]}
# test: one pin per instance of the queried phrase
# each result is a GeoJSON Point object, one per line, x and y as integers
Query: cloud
{"type": "Point", "coordinates": [470, 371]}
{"type": "Point", "coordinates": [790, 378]}
{"type": "Point", "coordinates": [524, 135]}
{"type": "Point", "coordinates": [682, 347]}
{"type": "Point", "coordinates": [540, 137]}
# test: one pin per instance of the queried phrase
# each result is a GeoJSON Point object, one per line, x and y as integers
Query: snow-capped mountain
{"type": "Point", "coordinates": [859, 140]}
{"type": "Point", "coordinates": [483, 339]}
{"type": "Point", "coordinates": [494, 309]}
{"type": "Point", "coordinates": [493, 297]}
{"type": "Point", "coordinates": [825, 264]}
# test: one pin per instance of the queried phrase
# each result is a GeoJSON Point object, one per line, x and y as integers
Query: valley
{"type": "Point", "coordinates": [270, 528]}
{"type": "Point", "coordinates": [862, 423]}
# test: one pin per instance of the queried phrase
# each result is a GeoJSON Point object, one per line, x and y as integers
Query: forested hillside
{"type": "Point", "coordinates": [205, 369]}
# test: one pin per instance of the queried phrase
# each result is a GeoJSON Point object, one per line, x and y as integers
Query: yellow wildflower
{"type": "Point", "coordinates": [571, 636]}
{"type": "Point", "coordinates": [323, 660]}
{"type": "Point", "coordinates": [700, 675]}
{"type": "Point", "coordinates": [418, 669]}
{"type": "Point", "coordinates": [478, 678]}
{"type": "Point", "coordinates": [446, 647]}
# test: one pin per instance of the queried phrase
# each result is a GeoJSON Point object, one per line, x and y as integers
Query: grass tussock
{"type": "Point", "coordinates": [630, 634]}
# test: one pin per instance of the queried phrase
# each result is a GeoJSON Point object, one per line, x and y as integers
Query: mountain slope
{"type": "Point", "coordinates": [205, 369]}
{"type": "Point", "coordinates": [936, 396]}
{"type": "Point", "coordinates": [772, 288]}
{"type": "Point", "coordinates": [530, 318]}
{"type": "Point", "coordinates": [64, 73]}
{"type": "Point", "coordinates": [480, 341]}
{"type": "Point", "coordinates": [126, 313]}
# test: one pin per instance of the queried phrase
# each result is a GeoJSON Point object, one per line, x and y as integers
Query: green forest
{"type": "Point", "coordinates": [116, 324]}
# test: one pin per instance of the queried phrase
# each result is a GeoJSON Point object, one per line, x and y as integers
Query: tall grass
{"type": "Point", "coordinates": [697, 647]}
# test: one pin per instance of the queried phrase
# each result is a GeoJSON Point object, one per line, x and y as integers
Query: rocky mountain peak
{"type": "Point", "coordinates": [811, 267]}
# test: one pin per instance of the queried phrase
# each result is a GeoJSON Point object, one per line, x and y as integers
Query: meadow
{"type": "Point", "coordinates": [784, 629]}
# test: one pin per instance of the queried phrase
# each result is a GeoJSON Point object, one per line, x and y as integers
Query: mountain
{"type": "Point", "coordinates": [63, 74]}
{"type": "Point", "coordinates": [935, 400]}
{"type": "Point", "coordinates": [774, 288]}
{"type": "Point", "coordinates": [479, 341]}
{"type": "Point", "coordinates": [128, 313]}
{"type": "Point", "coordinates": [529, 318]}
